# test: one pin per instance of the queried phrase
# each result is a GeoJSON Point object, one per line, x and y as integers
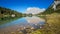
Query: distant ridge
{"type": "Point", "coordinates": [7, 11]}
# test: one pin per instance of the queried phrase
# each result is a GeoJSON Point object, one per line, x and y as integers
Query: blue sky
{"type": "Point", "coordinates": [22, 5]}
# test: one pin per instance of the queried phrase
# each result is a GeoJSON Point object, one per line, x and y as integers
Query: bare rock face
{"type": "Point", "coordinates": [56, 2]}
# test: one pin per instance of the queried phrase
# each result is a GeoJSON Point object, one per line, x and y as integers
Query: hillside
{"type": "Point", "coordinates": [50, 10]}
{"type": "Point", "coordinates": [8, 12]}
{"type": "Point", "coordinates": [52, 25]}
{"type": "Point", "coordinates": [7, 15]}
{"type": "Point", "coordinates": [52, 20]}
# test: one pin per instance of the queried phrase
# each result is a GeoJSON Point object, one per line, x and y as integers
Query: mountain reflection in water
{"type": "Point", "coordinates": [22, 23]}
{"type": "Point", "coordinates": [34, 20]}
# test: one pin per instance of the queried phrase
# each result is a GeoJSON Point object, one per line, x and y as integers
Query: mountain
{"type": "Point", "coordinates": [50, 10]}
{"type": "Point", "coordinates": [6, 12]}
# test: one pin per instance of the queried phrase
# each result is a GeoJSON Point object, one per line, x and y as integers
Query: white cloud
{"type": "Point", "coordinates": [34, 10]}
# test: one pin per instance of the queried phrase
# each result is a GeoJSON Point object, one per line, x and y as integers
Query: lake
{"type": "Point", "coordinates": [22, 23]}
